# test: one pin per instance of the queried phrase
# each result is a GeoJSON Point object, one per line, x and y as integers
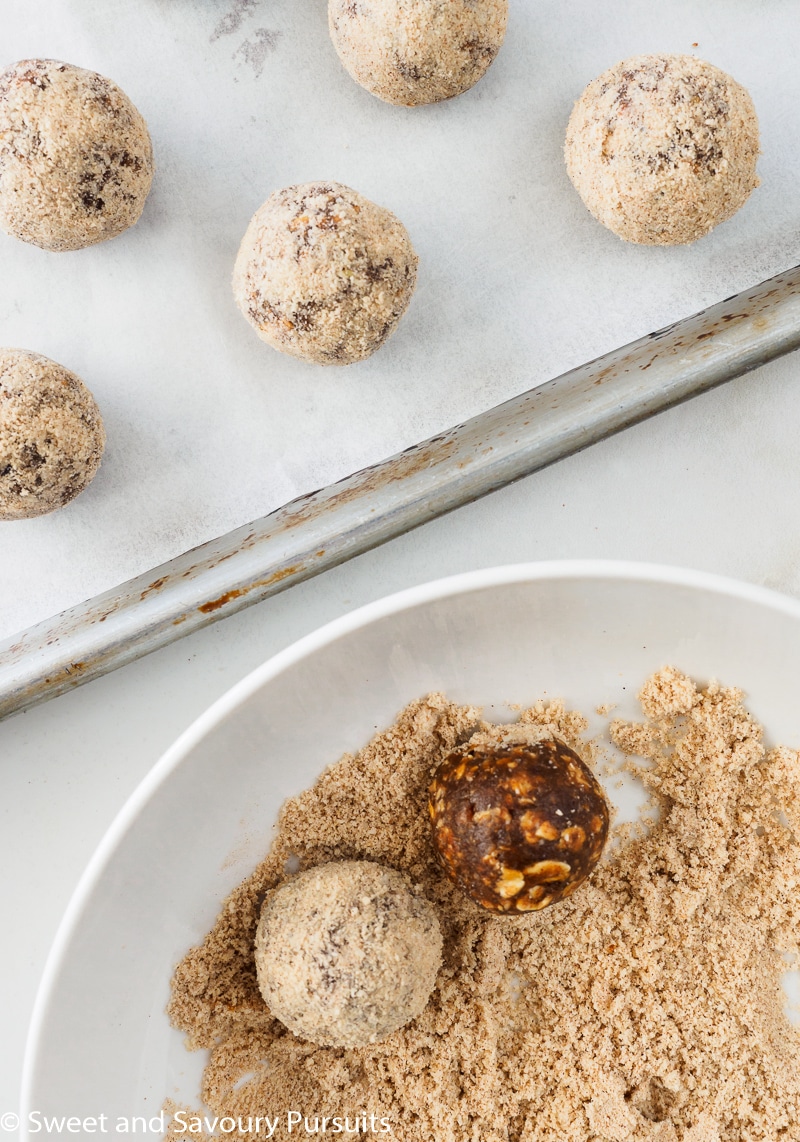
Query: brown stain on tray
{"type": "Point", "coordinates": [237, 592]}
{"type": "Point", "coordinates": [156, 585]}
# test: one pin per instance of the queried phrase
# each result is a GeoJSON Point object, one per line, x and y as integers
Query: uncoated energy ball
{"type": "Point", "coordinates": [51, 435]}
{"type": "Point", "coordinates": [662, 148]}
{"type": "Point", "coordinates": [323, 273]}
{"type": "Point", "coordinates": [346, 953]}
{"type": "Point", "coordinates": [517, 827]}
{"type": "Point", "coordinates": [417, 51]}
{"type": "Point", "coordinates": [76, 160]}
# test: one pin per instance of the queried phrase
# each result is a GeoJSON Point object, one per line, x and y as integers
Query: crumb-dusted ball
{"type": "Point", "coordinates": [324, 274]}
{"type": "Point", "coordinates": [417, 51]}
{"type": "Point", "coordinates": [517, 827]}
{"type": "Point", "coordinates": [51, 435]}
{"type": "Point", "coordinates": [662, 148]}
{"type": "Point", "coordinates": [76, 160]}
{"type": "Point", "coordinates": [346, 953]}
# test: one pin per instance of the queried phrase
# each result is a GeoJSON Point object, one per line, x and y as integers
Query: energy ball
{"type": "Point", "coordinates": [662, 148]}
{"type": "Point", "coordinates": [517, 827]}
{"type": "Point", "coordinates": [417, 51]}
{"type": "Point", "coordinates": [76, 160]}
{"type": "Point", "coordinates": [51, 435]}
{"type": "Point", "coordinates": [324, 274]}
{"type": "Point", "coordinates": [346, 953]}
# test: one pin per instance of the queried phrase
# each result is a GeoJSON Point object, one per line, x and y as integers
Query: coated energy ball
{"type": "Point", "coordinates": [517, 827]}
{"type": "Point", "coordinates": [324, 274]}
{"type": "Point", "coordinates": [76, 161]}
{"type": "Point", "coordinates": [346, 953]}
{"type": "Point", "coordinates": [663, 148]}
{"type": "Point", "coordinates": [417, 51]}
{"type": "Point", "coordinates": [51, 435]}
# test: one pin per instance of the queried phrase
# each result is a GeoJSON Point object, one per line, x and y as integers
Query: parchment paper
{"type": "Point", "coordinates": [207, 426]}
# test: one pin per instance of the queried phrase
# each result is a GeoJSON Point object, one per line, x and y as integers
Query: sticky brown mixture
{"type": "Point", "coordinates": [645, 1008]}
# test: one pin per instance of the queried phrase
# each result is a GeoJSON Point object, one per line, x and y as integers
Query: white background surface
{"type": "Point", "coordinates": [204, 420]}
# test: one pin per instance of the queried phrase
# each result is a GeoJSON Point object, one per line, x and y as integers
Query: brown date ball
{"type": "Point", "coordinates": [517, 827]}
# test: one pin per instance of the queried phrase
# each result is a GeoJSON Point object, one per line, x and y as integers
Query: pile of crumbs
{"type": "Point", "coordinates": [646, 1008]}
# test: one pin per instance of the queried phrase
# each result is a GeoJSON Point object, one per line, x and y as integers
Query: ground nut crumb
{"type": "Point", "coordinates": [645, 1008]}
{"type": "Point", "coordinates": [633, 738]}
{"type": "Point", "coordinates": [667, 693]}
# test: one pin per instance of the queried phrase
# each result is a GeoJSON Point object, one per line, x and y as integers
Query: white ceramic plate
{"type": "Point", "coordinates": [588, 632]}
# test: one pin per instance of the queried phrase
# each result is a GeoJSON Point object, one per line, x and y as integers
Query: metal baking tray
{"type": "Point", "coordinates": [327, 527]}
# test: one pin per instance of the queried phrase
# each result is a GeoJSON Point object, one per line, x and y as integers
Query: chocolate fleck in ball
{"type": "Point", "coordinates": [346, 953]}
{"type": "Point", "coordinates": [662, 148]}
{"type": "Point", "coordinates": [76, 162]}
{"type": "Point", "coordinates": [324, 274]}
{"type": "Point", "coordinates": [517, 827]}
{"type": "Point", "coordinates": [417, 51]}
